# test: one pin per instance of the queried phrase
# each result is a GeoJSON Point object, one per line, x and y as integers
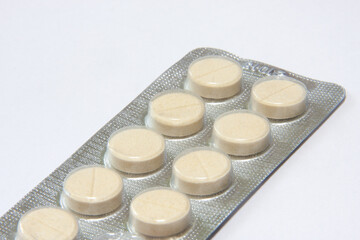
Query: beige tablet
{"type": "Point", "coordinates": [215, 77]}
{"type": "Point", "coordinates": [278, 97]}
{"type": "Point", "coordinates": [47, 223]}
{"type": "Point", "coordinates": [241, 133]}
{"type": "Point", "coordinates": [176, 113]}
{"type": "Point", "coordinates": [93, 190]}
{"type": "Point", "coordinates": [160, 212]}
{"type": "Point", "coordinates": [201, 171]}
{"type": "Point", "coordinates": [136, 150]}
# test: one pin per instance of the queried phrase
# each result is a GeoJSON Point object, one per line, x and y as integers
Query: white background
{"type": "Point", "coordinates": [67, 67]}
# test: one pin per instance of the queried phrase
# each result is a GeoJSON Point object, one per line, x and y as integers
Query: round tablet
{"type": "Point", "coordinates": [241, 133]}
{"type": "Point", "coordinates": [278, 97]}
{"type": "Point", "coordinates": [160, 212]}
{"type": "Point", "coordinates": [47, 223]}
{"type": "Point", "coordinates": [136, 150]}
{"type": "Point", "coordinates": [202, 171]}
{"type": "Point", "coordinates": [215, 77]}
{"type": "Point", "coordinates": [176, 113]}
{"type": "Point", "coordinates": [93, 190]}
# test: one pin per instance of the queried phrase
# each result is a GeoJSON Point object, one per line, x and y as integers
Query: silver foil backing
{"type": "Point", "coordinates": [209, 213]}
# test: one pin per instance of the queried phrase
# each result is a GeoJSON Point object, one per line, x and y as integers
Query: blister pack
{"type": "Point", "coordinates": [182, 157]}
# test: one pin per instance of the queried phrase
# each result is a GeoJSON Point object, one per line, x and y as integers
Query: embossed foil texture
{"type": "Point", "coordinates": [209, 213]}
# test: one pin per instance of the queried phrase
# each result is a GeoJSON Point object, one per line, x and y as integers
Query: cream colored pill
{"type": "Point", "coordinates": [176, 113]}
{"type": "Point", "coordinates": [93, 190]}
{"type": "Point", "coordinates": [160, 213]}
{"type": "Point", "coordinates": [241, 133]}
{"type": "Point", "coordinates": [279, 98]}
{"type": "Point", "coordinates": [47, 223]}
{"type": "Point", "coordinates": [215, 77]}
{"type": "Point", "coordinates": [136, 150]}
{"type": "Point", "coordinates": [202, 172]}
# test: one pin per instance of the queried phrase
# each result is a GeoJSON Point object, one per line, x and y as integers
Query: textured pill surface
{"type": "Point", "coordinates": [279, 98]}
{"type": "Point", "coordinates": [93, 190]}
{"type": "Point", "coordinates": [241, 133]}
{"type": "Point", "coordinates": [136, 150]}
{"type": "Point", "coordinates": [215, 77]}
{"type": "Point", "coordinates": [47, 223]}
{"type": "Point", "coordinates": [177, 114]}
{"type": "Point", "coordinates": [202, 172]}
{"type": "Point", "coordinates": [160, 212]}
